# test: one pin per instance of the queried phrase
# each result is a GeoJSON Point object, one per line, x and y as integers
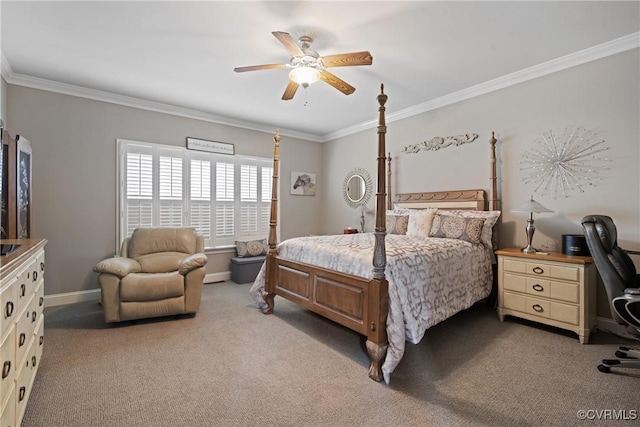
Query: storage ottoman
{"type": "Point", "coordinates": [245, 270]}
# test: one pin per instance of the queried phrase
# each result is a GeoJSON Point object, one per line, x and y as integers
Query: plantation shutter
{"type": "Point", "coordinates": [264, 206]}
{"type": "Point", "coordinates": [138, 183]}
{"type": "Point", "coordinates": [248, 199]}
{"type": "Point", "coordinates": [224, 203]}
{"type": "Point", "coordinates": [170, 189]}
{"type": "Point", "coordinates": [200, 198]}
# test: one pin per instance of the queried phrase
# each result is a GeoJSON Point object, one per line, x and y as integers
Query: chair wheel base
{"type": "Point", "coordinates": [604, 368]}
{"type": "Point", "coordinates": [621, 355]}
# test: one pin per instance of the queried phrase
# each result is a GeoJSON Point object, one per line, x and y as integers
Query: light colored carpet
{"type": "Point", "coordinates": [231, 365]}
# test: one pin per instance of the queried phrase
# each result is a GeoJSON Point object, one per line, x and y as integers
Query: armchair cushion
{"type": "Point", "coordinates": [118, 266]}
{"type": "Point", "coordinates": [151, 286]}
{"type": "Point", "coordinates": [192, 262]}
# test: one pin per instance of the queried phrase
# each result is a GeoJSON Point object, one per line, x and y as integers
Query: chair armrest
{"type": "Point", "coordinates": [118, 266]}
{"type": "Point", "coordinates": [632, 291]}
{"type": "Point", "coordinates": [192, 262]}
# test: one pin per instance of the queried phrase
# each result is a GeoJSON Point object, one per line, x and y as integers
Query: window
{"type": "Point", "coordinates": [225, 198]}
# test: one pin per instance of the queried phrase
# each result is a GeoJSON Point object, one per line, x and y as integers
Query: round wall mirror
{"type": "Point", "coordinates": [357, 187]}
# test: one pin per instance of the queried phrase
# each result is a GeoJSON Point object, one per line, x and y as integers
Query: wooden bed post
{"type": "Point", "coordinates": [494, 179]}
{"type": "Point", "coordinates": [271, 273]}
{"type": "Point", "coordinates": [389, 205]}
{"type": "Point", "coordinates": [378, 287]}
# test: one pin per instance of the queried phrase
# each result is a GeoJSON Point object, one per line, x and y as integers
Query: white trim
{"type": "Point", "coordinates": [128, 101]}
{"type": "Point", "coordinates": [66, 298]}
{"type": "Point", "coordinates": [217, 277]}
{"type": "Point", "coordinates": [631, 41]}
{"type": "Point", "coordinates": [71, 298]}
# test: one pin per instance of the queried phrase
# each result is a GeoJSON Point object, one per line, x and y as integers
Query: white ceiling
{"type": "Point", "coordinates": [182, 54]}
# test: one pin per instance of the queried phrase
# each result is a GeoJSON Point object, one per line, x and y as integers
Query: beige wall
{"type": "Point", "coordinates": [603, 96]}
{"type": "Point", "coordinates": [74, 183]}
{"type": "Point", "coordinates": [3, 100]}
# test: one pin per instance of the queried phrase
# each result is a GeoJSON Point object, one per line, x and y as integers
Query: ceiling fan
{"type": "Point", "coordinates": [307, 66]}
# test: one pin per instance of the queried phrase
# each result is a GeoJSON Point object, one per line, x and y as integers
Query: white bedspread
{"type": "Point", "coordinates": [430, 279]}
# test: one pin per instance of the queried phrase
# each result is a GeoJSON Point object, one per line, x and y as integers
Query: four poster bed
{"type": "Point", "coordinates": [415, 282]}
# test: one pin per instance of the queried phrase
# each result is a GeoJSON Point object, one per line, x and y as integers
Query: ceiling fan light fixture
{"type": "Point", "coordinates": [304, 76]}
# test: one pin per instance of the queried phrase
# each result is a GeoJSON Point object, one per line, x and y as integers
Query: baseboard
{"type": "Point", "coordinates": [610, 325]}
{"type": "Point", "coordinates": [94, 294]}
{"type": "Point", "coordinates": [71, 298]}
{"type": "Point", "coordinates": [217, 277]}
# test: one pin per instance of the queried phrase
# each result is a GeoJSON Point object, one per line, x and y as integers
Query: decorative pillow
{"type": "Point", "coordinates": [420, 222]}
{"type": "Point", "coordinates": [457, 227]}
{"type": "Point", "coordinates": [252, 248]}
{"type": "Point", "coordinates": [397, 224]}
{"type": "Point", "coordinates": [490, 219]}
{"type": "Point", "coordinates": [398, 211]}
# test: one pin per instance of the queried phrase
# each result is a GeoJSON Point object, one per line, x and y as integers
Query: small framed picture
{"type": "Point", "coordinates": [23, 188]}
{"type": "Point", "coordinates": [210, 146]}
{"type": "Point", "coordinates": [303, 183]}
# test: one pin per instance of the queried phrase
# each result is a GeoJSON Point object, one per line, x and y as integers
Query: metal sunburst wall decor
{"type": "Point", "coordinates": [564, 162]}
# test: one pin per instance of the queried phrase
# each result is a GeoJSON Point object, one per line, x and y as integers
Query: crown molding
{"type": "Point", "coordinates": [98, 95]}
{"type": "Point", "coordinates": [632, 41]}
{"type": "Point", "coordinates": [629, 42]}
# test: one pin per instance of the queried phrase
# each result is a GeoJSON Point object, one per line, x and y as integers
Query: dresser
{"type": "Point", "coordinates": [552, 288]}
{"type": "Point", "coordinates": [21, 325]}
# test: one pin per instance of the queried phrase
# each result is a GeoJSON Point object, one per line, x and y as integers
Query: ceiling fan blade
{"type": "Point", "coordinates": [289, 43]}
{"type": "Point", "coordinates": [290, 91]}
{"type": "Point", "coordinates": [347, 59]}
{"type": "Point", "coordinates": [259, 67]}
{"type": "Point", "coordinates": [334, 81]}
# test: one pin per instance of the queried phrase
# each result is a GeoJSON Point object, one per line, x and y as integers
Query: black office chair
{"type": "Point", "coordinates": [621, 281]}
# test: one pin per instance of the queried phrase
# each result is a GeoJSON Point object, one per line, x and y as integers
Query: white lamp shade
{"type": "Point", "coordinates": [532, 206]}
{"type": "Point", "coordinates": [304, 75]}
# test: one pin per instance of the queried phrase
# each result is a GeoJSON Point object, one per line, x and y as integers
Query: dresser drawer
{"type": "Point", "coordinates": [540, 269]}
{"type": "Point", "coordinates": [8, 305]}
{"type": "Point", "coordinates": [7, 363]}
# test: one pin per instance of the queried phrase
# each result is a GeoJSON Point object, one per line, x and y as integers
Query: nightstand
{"type": "Point", "coordinates": [554, 289]}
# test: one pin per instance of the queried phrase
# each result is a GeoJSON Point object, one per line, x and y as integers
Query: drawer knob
{"type": "Point", "coordinates": [34, 361]}
{"type": "Point", "coordinates": [21, 393]}
{"type": "Point", "coordinates": [538, 270]}
{"type": "Point", "coordinates": [23, 290]}
{"type": "Point", "coordinates": [538, 287]}
{"type": "Point", "coordinates": [6, 368]}
{"type": "Point", "coordinates": [41, 301]}
{"type": "Point", "coordinates": [23, 337]}
{"type": "Point", "coordinates": [8, 309]}
{"type": "Point", "coordinates": [42, 266]}
{"type": "Point", "coordinates": [41, 339]}
{"type": "Point", "coordinates": [538, 308]}
{"type": "Point", "coordinates": [33, 316]}
{"type": "Point", "coordinates": [35, 275]}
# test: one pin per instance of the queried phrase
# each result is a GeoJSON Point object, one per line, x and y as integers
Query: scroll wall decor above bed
{"type": "Point", "coordinates": [439, 142]}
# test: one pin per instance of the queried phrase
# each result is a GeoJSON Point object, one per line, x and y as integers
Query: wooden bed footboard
{"type": "Point", "coordinates": [354, 302]}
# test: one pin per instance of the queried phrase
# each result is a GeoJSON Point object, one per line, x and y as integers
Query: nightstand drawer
{"type": "Point", "coordinates": [567, 292]}
{"type": "Point", "coordinates": [542, 269]}
{"type": "Point", "coordinates": [542, 308]}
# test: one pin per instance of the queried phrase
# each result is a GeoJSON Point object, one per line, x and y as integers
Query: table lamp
{"type": "Point", "coordinates": [532, 207]}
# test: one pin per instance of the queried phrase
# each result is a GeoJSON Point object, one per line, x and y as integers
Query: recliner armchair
{"type": "Point", "coordinates": [159, 273]}
{"type": "Point", "coordinates": [620, 280]}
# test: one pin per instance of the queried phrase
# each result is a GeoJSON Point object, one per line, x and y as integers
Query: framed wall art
{"type": "Point", "coordinates": [303, 183]}
{"type": "Point", "coordinates": [23, 188]}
